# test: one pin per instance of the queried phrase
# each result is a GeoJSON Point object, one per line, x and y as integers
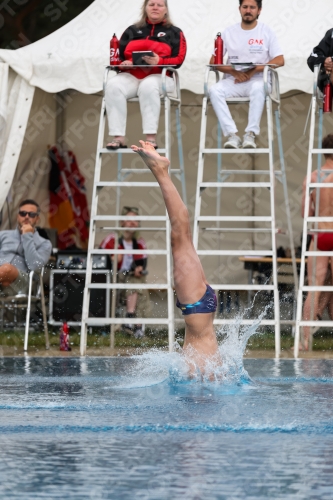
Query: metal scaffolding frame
{"type": "Point", "coordinates": [316, 105]}
{"type": "Point", "coordinates": [271, 83]}
{"type": "Point", "coordinates": [115, 220]}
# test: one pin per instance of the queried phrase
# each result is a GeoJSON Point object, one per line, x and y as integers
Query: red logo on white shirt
{"type": "Point", "coordinates": [253, 41]}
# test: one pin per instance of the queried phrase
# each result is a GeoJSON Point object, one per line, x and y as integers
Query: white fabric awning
{"type": "Point", "coordinates": [74, 56]}
{"type": "Point", "coordinates": [14, 114]}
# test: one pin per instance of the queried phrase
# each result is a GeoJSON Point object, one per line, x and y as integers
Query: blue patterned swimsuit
{"type": "Point", "coordinates": [206, 304]}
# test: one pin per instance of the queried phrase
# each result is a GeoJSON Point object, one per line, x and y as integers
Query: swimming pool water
{"type": "Point", "coordinates": [108, 428]}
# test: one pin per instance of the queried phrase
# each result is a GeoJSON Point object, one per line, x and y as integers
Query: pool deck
{"type": "Point", "coordinates": [107, 352]}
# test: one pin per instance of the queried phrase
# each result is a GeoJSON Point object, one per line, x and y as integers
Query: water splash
{"type": "Point", "coordinates": [232, 345]}
{"type": "Point", "coordinates": [156, 366]}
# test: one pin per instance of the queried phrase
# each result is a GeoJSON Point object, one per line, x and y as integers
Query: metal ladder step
{"type": "Point", "coordinates": [245, 322]}
{"type": "Point", "coordinates": [240, 230]}
{"type": "Point", "coordinates": [109, 218]}
{"type": "Point", "coordinates": [321, 151]}
{"type": "Point", "coordinates": [123, 321]}
{"type": "Point", "coordinates": [323, 323]}
{"type": "Point", "coordinates": [249, 172]}
{"type": "Point", "coordinates": [319, 219]}
{"type": "Point", "coordinates": [125, 184]}
{"type": "Point", "coordinates": [128, 286]}
{"type": "Point", "coordinates": [320, 253]}
{"type": "Point", "coordinates": [204, 185]}
{"type": "Point", "coordinates": [135, 171]}
{"type": "Point", "coordinates": [321, 185]}
{"type": "Point", "coordinates": [229, 218]}
{"type": "Point", "coordinates": [120, 228]}
{"type": "Point", "coordinates": [323, 288]}
{"type": "Point", "coordinates": [107, 251]}
{"type": "Point", "coordinates": [145, 171]}
{"type": "Point", "coordinates": [125, 151]}
{"type": "Point", "coordinates": [240, 253]}
{"type": "Point", "coordinates": [242, 287]}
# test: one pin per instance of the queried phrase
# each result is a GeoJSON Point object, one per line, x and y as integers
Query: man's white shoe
{"type": "Point", "coordinates": [233, 142]}
{"type": "Point", "coordinates": [249, 140]}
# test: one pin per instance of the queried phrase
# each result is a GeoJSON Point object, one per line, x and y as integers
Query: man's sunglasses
{"type": "Point", "coordinates": [32, 215]}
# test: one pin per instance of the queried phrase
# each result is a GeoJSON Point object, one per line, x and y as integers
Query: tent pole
{"type": "Point", "coordinates": [61, 117]}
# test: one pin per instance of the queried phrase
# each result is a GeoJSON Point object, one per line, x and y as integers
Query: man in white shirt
{"type": "Point", "coordinates": [248, 41]}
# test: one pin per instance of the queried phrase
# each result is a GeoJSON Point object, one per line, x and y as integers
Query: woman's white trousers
{"type": "Point", "coordinates": [126, 86]}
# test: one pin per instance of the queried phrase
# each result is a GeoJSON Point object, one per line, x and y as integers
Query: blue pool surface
{"type": "Point", "coordinates": [123, 428]}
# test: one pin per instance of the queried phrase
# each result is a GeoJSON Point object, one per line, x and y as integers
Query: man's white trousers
{"type": "Point", "coordinates": [226, 88]}
{"type": "Point", "coordinates": [126, 86]}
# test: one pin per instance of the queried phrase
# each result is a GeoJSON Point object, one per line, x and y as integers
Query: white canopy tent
{"type": "Point", "coordinates": [74, 57]}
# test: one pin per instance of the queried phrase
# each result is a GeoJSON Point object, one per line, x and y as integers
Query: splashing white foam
{"type": "Point", "coordinates": [156, 366]}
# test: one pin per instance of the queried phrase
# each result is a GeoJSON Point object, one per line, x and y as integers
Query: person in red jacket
{"type": "Point", "coordinates": [153, 32]}
{"type": "Point", "coordinates": [131, 269]}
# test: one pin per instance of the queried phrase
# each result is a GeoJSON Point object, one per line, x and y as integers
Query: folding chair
{"type": "Point", "coordinates": [24, 301]}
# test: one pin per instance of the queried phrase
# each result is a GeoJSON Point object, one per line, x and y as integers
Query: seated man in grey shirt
{"type": "Point", "coordinates": [22, 250]}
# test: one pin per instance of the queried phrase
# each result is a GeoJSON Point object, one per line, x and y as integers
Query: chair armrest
{"type": "Point", "coordinates": [41, 277]}
{"type": "Point", "coordinates": [175, 75]}
{"type": "Point", "coordinates": [316, 90]}
{"type": "Point", "coordinates": [207, 72]}
{"type": "Point", "coordinates": [316, 71]}
{"type": "Point", "coordinates": [31, 279]}
{"type": "Point", "coordinates": [273, 74]}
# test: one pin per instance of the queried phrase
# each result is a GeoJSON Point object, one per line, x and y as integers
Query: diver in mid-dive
{"type": "Point", "coordinates": [195, 298]}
